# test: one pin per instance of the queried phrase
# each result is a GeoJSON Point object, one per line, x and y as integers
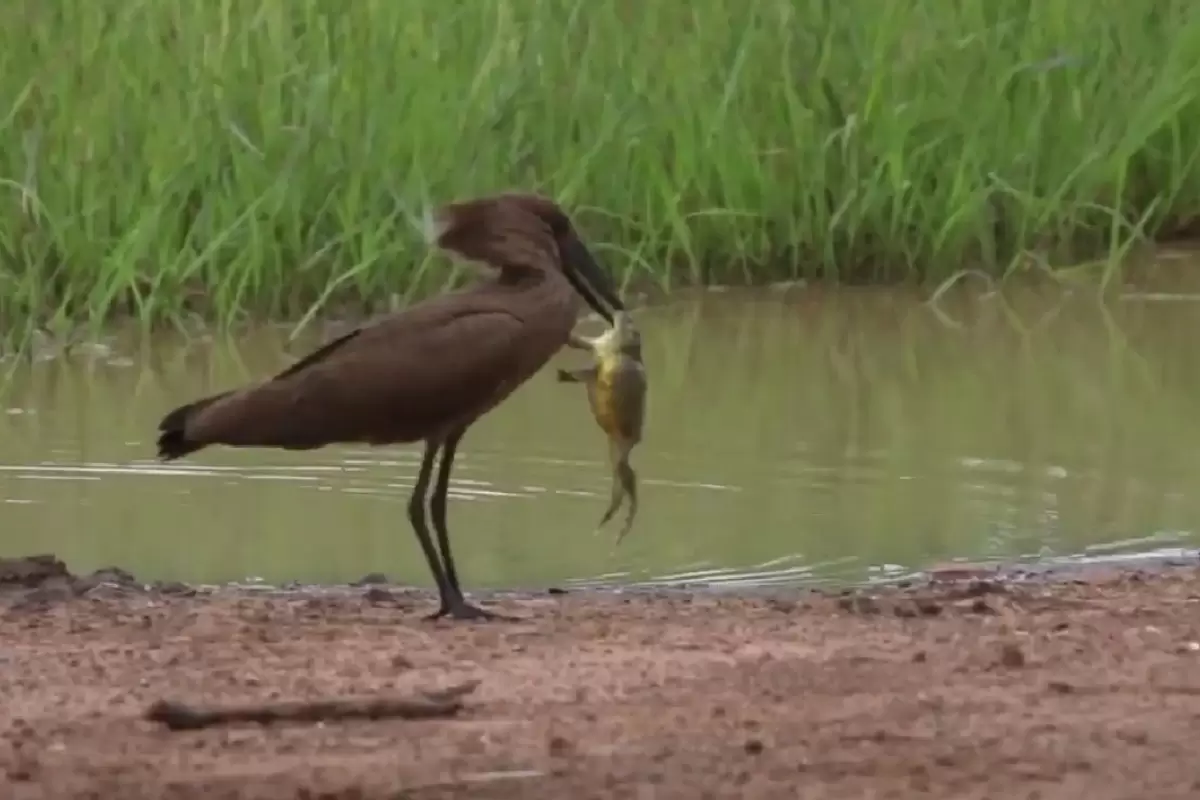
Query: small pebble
{"type": "Point", "coordinates": [1012, 656]}
{"type": "Point", "coordinates": [377, 595]}
{"type": "Point", "coordinates": [981, 606]}
{"type": "Point", "coordinates": [929, 608]}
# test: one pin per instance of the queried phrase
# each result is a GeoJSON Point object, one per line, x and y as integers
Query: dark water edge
{"type": "Point", "coordinates": [1152, 271]}
{"type": "Point", "coordinates": [40, 582]}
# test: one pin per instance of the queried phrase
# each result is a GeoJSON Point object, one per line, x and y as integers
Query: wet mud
{"type": "Point", "coordinates": [970, 688]}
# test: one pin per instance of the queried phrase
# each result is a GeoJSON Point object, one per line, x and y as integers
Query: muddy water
{"type": "Point", "coordinates": [801, 436]}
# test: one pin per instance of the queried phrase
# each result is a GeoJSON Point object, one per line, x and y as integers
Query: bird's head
{"type": "Point", "coordinates": [521, 232]}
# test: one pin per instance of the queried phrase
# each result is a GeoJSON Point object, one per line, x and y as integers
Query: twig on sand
{"type": "Point", "coordinates": [431, 704]}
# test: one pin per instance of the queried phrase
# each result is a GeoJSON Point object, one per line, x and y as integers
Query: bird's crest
{"type": "Point", "coordinates": [433, 224]}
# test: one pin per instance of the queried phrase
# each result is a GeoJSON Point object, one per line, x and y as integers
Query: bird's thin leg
{"type": "Point", "coordinates": [453, 602]}
{"type": "Point", "coordinates": [416, 516]}
{"type": "Point", "coordinates": [437, 505]}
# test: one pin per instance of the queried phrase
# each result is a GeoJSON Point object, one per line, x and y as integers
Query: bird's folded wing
{"type": "Point", "coordinates": [383, 383]}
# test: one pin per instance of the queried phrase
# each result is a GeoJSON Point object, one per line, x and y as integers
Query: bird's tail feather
{"type": "Point", "coordinates": [172, 438]}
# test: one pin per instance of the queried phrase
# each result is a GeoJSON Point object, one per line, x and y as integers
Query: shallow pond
{"type": "Point", "coordinates": [806, 436]}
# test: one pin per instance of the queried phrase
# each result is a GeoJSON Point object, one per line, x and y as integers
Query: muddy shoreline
{"type": "Point", "coordinates": [970, 684]}
{"type": "Point", "coordinates": [44, 579]}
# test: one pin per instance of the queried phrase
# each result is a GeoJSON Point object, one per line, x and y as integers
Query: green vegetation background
{"type": "Point", "coordinates": [163, 159]}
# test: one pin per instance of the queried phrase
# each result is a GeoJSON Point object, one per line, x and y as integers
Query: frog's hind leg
{"type": "Point", "coordinates": [619, 458]}
{"type": "Point", "coordinates": [628, 480]}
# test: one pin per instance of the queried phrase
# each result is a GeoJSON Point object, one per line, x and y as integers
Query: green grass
{"type": "Point", "coordinates": [163, 159]}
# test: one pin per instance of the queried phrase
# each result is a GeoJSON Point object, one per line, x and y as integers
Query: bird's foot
{"type": "Point", "coordinates": [462, 610]}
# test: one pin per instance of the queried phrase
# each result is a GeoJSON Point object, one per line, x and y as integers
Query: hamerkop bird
{"type": "Point", "coordinates": [428, 372]}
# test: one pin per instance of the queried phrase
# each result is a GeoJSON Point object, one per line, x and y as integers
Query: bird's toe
{"type": "Point", "coordinates": [465, 611]}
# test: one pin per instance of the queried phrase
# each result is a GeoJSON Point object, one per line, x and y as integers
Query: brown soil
{"type": "Point", "coordinates": [971, 690]}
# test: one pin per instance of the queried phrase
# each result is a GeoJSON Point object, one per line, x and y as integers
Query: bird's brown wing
{"type": "Point", "coordinates": [395, 381]}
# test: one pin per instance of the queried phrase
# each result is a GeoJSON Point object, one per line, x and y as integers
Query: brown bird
{"type": "Point", "coordinates": [428, 372]}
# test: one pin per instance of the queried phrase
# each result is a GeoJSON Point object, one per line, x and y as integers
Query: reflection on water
{"type": "Point", "coordinates": [803, 437]}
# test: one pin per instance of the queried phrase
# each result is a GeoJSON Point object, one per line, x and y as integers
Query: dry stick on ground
{"type": "Point", "coordinates": [432, 704]}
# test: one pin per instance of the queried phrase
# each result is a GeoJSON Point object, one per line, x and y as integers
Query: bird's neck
{"type": "Point", "coordinates": [544, 289]}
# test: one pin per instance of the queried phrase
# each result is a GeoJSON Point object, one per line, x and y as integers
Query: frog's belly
{"type": "Point", "coordinates": [606, 410]}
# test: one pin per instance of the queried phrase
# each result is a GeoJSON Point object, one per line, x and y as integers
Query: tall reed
{"type": "Point", "coordinates": [234, 158]}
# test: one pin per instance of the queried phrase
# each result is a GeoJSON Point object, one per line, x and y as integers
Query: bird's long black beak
{"type": "Point", "coordinates": [589, 278]}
